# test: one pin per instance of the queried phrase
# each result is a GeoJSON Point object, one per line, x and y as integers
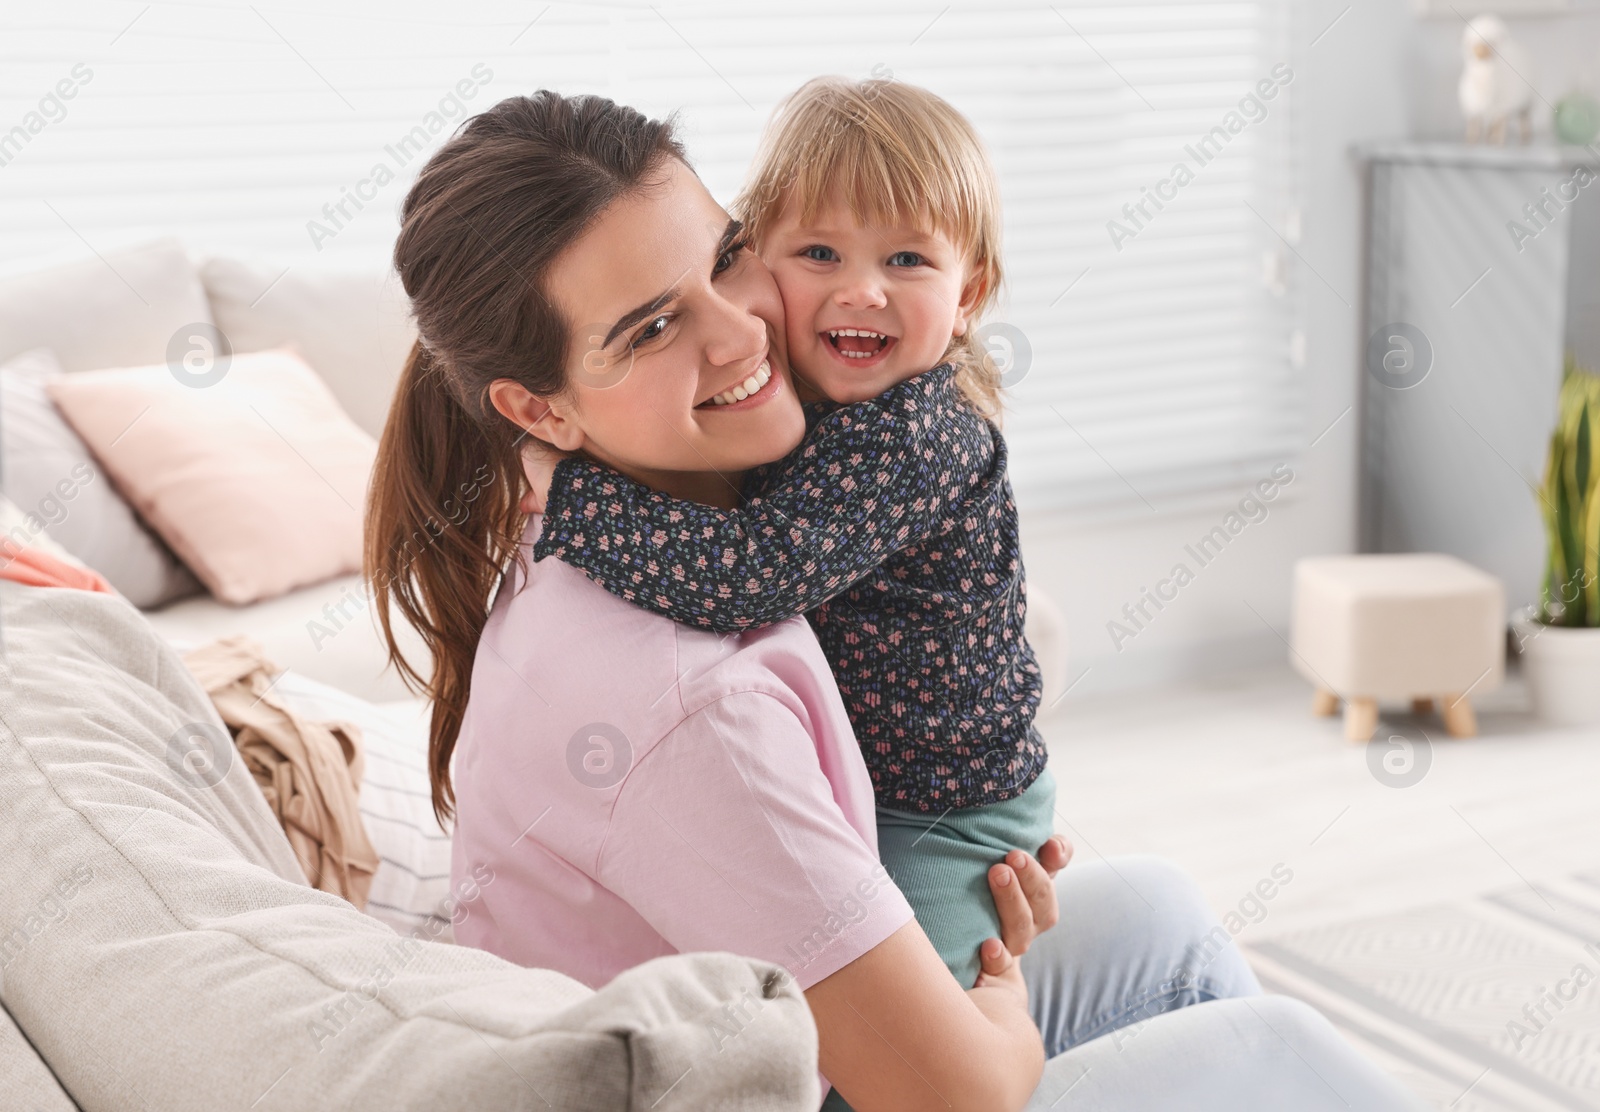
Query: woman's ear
{"type": "Point", "coordinates": [539, 418]}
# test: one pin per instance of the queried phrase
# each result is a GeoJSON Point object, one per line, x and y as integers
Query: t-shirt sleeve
{"type": "Point", "coordinates": [727, 836]}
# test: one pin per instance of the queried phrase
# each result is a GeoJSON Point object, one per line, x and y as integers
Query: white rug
{"type": "Point", "coordinates": [1483, 1005]}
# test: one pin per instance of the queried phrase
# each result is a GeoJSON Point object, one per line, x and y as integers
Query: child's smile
{"type": "Point", "coordinates": [861, 347]}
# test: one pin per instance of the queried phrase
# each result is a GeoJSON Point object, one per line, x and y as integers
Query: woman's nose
{"type": "Point", "coordinates": [735, 334]}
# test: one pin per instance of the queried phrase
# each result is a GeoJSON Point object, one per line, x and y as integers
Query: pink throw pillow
{"type": "Point", "coordinates": [257, 481]}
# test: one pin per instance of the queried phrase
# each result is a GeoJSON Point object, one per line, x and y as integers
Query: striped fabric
{"type": "Point", "coordinates": [412, 884]}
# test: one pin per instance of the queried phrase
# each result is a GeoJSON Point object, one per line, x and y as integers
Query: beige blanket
{"type": "Point", "coordinates": [310, 772]}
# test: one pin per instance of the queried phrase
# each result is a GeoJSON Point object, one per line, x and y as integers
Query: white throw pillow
{"type": "Point", "coordinates": [46, 469]}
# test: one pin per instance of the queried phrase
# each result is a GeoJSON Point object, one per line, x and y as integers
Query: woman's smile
{"type": "Point", "coordinates": [761, 385]}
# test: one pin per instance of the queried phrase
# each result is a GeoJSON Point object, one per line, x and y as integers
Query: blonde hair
{"type": "Point", "coordinates": [899, 154]}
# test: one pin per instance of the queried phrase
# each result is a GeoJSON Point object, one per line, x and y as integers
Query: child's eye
{"type": "Point", "coordinates": [651, 331]}
{"type": "Point", "coordinates": [820, 253]}
{"type": "Point", "coordinates": [730, 255]}
{"type": "Point", "coordinates": [905, 258]}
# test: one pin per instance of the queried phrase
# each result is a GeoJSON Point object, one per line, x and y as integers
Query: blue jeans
{"type": "Point", "coordinates": [1145, 1004]}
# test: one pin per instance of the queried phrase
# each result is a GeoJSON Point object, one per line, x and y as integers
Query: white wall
{"type": "Point", "coordinates": [1354, 84]}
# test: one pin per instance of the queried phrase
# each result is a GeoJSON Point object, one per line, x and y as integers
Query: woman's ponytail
{"type": "Point", "coordinates": [440, 519]}
{"type": "Point", "coordinates": [489, 212]}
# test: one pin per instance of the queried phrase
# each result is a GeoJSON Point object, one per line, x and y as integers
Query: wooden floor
{"type": "Point", "coordinates": [1229, 778]}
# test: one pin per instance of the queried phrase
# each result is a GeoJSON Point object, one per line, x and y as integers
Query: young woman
{"type": "Point", "coordinates": [641, 788]}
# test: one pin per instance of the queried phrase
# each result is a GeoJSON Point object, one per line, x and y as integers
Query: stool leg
{"type": "Point", "coordinates": [1422, 704]}
{"type": "Point", "coordinates": [1360, 718]}
{"type": "Point", "coordinates": [1459, 718]}
{"type": "Point", "coordinates": [1323, 703]}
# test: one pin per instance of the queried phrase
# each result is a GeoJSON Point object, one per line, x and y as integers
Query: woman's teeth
{"type": "Point", "coordinates": [749, 386]}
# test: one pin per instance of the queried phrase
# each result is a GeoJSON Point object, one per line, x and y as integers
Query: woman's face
{"type": "Point", "coordinates": [677, 373]}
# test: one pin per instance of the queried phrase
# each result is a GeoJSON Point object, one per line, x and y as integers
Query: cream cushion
{"type": "Point", "coordinates": [353, 327]}
{"type": "Point", "coordinates": [164, 952]}
{"type": "Point", "coordinates": [119, 310]}
{"type": "Point", "coordinates": [1396, 626]}
{"type": "Point", "coordinates": [24, 1078]}
{"type": "Point", "coordinates": [256, 480]}
{"type": "Point", "coordinates": [327, 631]}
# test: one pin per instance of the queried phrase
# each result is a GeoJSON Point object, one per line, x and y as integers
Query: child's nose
{"type": "Point", "coordinates": [860, 291]}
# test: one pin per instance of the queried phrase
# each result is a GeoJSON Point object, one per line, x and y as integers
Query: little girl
{"type": "Point", "coordinates": [892, 525]}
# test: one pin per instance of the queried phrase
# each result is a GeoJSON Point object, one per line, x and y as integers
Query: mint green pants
{"type": "Point", "coordinates": [941, 863]}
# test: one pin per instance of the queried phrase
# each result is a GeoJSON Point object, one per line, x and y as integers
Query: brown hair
{"type": "Point", "coordinates": [894, 151]}
{"type": "Point", "coordinates": [488, 214]}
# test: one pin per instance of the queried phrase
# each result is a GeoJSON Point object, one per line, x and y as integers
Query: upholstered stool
{"type": "Point", "coordinates": [1418, 626]}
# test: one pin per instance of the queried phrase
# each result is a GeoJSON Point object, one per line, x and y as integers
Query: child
{"type": "Point", "coordinates": [892, 525]}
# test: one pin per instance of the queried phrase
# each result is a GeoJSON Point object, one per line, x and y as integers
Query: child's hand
{"type": "Point", "coordinates": [1025, 895]}
{"type": "Point", "coordinates": [1000, 969]}
{"type": "Point", "coordinates": [1055, 854]}
{"type": "Point", "coordinates": [539, 466]}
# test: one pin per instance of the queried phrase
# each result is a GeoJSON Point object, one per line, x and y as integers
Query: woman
{"type": "Point", "coordinates": [641, 788]}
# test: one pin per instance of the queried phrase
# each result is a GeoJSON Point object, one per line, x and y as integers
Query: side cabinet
{"type": "Point", "coordinates": [1485, 264]}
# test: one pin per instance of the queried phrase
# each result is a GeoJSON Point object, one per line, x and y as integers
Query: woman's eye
{"type": "Point", "coordinates": [905, 258]}
{"type": "Point", "coordinates": [818, 253]}
{"type": "Point", "coordinates": [730, 255]}
{"type": "Point", "coordinates": [650, 331]}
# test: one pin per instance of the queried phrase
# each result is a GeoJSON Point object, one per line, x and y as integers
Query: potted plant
{"type": "Point", "coordinates": [1560, 638]}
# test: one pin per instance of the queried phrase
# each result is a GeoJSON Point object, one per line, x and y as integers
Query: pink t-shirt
{"type": "Point", "coordinates": [641, 788]}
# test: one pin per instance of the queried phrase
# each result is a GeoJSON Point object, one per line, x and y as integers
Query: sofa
{"type": "Point", "coordinates": [162, 949]}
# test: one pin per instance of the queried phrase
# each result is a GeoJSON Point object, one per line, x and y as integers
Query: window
{"type": "Point", "coordinates": [1160, 324]}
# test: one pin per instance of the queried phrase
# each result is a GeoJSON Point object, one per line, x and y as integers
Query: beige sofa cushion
{"type": "Point", "coordinates": [24, 1078]}
{"type": "Point", "coordinates": [327, 631]}
{"type": "Point", "coordinates": [162, 951]}
{"type": "Point", "coordinates": [118, 310]}
{"type": "Point", "coordinates": [353, 327]}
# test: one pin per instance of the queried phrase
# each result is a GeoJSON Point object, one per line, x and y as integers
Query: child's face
{"type": "Point", "coordinates": [837, 273]}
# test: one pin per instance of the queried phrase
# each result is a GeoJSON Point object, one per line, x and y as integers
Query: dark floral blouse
{"type": "Point", "coordinates": [892, 527]}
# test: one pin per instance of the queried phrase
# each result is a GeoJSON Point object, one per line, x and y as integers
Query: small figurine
{"type": "Point", "coordinates": [1492, 88]}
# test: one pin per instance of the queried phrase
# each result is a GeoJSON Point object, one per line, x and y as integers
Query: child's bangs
{"type": "Point", "coordinates": [860, 145]}
{"type": "Point", "coordinates": [881, 182]}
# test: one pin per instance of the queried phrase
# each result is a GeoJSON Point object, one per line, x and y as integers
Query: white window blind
{"type": "Point", "coordinates": [1161, 365]}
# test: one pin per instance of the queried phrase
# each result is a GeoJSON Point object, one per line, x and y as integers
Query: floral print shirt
{"type": "Point", "coordinates": [892, 527]}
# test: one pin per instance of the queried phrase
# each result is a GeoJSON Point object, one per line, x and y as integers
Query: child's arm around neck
{"type": "Point", "coordinates": [869, 479]}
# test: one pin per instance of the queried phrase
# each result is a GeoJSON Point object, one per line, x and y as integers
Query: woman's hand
{"type": "Point", "coordinates": [1025, 897]}
{"type": "Point", "coordinates": [539, 466]}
